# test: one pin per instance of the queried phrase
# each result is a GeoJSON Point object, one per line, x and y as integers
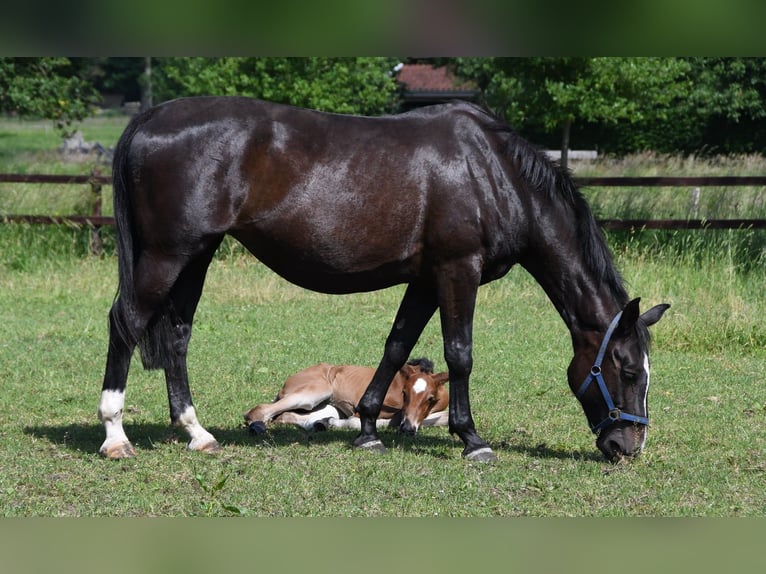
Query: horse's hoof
{"type": "Point", "coordinates": [483, 454]}
{"type": "Point", "coordinates": [118, 451]}
{"type": "Point", "coordinates": [372, 446]}
{"type": "Point", "coordinates": [257, 427]}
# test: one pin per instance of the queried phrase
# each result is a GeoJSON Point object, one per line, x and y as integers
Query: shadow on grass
{"type": "Point", "coordinates": [545, 451]}
{"type": "Point", "coordinates": [87, 438]}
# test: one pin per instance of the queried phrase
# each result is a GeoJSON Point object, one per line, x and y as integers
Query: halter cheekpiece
{"type": "Point", "coordinates": [615, 414]}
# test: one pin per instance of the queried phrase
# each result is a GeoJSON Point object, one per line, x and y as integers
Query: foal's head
{"type": "Point", "coordinates": [609, 374]}
{"type": "Point", "coordinates": [423, 392]}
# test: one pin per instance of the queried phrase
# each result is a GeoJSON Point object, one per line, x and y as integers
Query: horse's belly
{"type": "Point", "coordinates": [330, 268]}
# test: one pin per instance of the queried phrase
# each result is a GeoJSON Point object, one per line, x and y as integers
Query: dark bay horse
{"type": "Point", "coordinates": [444, 199]}
{"type": "Point", "coordinates": [325, 396]}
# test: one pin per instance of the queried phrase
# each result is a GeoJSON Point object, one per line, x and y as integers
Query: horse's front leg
{"type": "Point", "coordinates": [416, 309]}
{"type": "Point", "coordinates": [457, 302]}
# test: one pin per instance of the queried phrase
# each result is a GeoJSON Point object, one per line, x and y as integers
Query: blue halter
{"type": "Point", "coordinates": [615, 414]}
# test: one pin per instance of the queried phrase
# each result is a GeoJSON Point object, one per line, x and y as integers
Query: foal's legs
{"type": "Point", "coordinates": [416, 309]}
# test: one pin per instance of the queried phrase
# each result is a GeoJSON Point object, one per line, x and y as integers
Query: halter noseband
{"type": "Point", "coordinates": [615, 414]}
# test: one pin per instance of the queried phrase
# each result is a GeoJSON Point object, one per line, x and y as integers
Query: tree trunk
{"type": "Point", "coordinates": [565, 143]}
{"type": "Point", "coordinates": [146, 85]}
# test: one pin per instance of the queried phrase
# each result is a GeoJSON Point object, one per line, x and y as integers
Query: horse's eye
{"type": "Point", "coordinates": [629, 375]}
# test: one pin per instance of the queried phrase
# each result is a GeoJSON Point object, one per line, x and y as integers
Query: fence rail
{"type": "Point", "coordinates": [96, 220]}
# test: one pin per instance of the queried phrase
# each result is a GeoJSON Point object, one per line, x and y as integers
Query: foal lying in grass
{"type": "Point", "coordinates": [325, 396]}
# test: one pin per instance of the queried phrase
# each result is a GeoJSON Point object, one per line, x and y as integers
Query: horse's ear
{"type": "Point", "coordinates": [654, 314]}
{"type": "Point", "coordinates": [628, 319]}
{"type": "Point", "coordinates": [441, 378]}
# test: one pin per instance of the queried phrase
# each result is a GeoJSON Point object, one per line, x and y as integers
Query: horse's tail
{"type": "Point", "coordinates": [153, 340]}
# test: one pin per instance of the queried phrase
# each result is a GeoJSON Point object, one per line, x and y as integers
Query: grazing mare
{"type": "Point", "coordinates": [443, 199]}
{"type": "Point", "coordinates": [325, 396]}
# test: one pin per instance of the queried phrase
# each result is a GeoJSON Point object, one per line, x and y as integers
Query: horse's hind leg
{"type": "Point", "coordinates": [116, 445]}
{"type": "Point", "coordinates": [159, 310]}
{"type": "Point", "coordinates": [129, 317]}
{"type": "Point", "coordinates": [182, 305]}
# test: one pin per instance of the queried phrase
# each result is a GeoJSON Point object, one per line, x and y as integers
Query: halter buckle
{"type": "Point", "coordinates": [615, 415]}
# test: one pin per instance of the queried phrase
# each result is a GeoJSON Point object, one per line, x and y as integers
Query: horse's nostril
{"type": "Point", "coordinates": [615, 449]}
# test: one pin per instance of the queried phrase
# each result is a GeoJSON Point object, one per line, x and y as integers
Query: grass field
{"type": "Point", "coordinates": [706, 453]}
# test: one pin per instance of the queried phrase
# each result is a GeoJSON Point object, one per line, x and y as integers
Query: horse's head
{"type": "Point", "coordinates": [609, 374]}
{"type": "Point", "coordinates": [423, 392]}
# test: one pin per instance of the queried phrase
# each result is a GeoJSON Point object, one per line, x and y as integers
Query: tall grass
{"type": "Point", "coordinates": [708, 202]}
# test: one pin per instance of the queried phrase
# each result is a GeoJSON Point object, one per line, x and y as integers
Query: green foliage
{"type": "Point", "coordinates": [342, 85]}
{"type": "Point", "coordinates": [45, 88]}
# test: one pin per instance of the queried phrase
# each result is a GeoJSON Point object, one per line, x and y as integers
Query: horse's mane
{"type": "Point", "coordinates": [549, 177]}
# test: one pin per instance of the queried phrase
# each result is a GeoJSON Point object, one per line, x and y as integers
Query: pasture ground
{"type": "Point", "coordinates": [704, 457]}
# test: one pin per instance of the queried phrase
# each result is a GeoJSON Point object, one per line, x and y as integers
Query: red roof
{"type": "Point", "coordinates": [417, 77]}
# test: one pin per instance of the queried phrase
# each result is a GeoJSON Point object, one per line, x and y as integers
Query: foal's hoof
{"type": "Point", "coordinates": [372, 445]}
{"type": "Point", "coordinates": [257, 427]}
{"type": "Point", "coordinates": [118, 451]}
{"type": "Point", "coordinates": [483, 454]}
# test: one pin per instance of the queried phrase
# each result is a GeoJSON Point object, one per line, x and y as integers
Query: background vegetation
{"type": "Point", "coordinates": [616, 105]}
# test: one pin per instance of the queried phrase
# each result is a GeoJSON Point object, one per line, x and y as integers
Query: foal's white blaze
{"type": "Point", "coordinates": [199, 436]}
{"type": "Point", "coordinates": [646, 396]}
{"type": "Point", "coordinates": [420, 385]}
{"type": "Point", "coordinates": [110, 413]}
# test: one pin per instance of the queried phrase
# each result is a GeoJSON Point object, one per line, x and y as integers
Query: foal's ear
{"type": "Point", "coordinates": [408, 370]}
{"type": "Point", "coordinates": [441, 378]}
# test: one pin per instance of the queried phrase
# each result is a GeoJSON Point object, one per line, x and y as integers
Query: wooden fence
{"type": "Point", "coordinates": [96, 220]}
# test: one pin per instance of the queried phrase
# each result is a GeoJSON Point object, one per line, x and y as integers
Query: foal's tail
{"type": "Point", "coordinates": [152, 339]}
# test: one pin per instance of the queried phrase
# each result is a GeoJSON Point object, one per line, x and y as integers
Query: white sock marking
{"type": "Point", "coordinates": [199, 436]}
{"type": "Point", "coordinates": [110, 413]}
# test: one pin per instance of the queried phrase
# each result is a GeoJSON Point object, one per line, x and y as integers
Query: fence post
{"type": "Point", "coordinates": [96, 246]}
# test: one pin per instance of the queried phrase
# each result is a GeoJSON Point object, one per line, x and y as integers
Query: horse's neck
{"type": "Point", "coordinates": [583, 301]}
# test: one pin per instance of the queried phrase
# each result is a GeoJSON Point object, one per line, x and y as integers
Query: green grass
{"type": "Point", "coordinates": [704, 457]}
{"type": "Point", "coordinates": [707, 202]}
{"type": "Point", "coordinates": [33, 147]}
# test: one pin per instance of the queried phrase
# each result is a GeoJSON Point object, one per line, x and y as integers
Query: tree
{"type": "Point", "coordinates": [555, 92]}
{"type": "Point", "coordinates": [342, 85]}
{"type": "Point", "coordinates": [45, 88]}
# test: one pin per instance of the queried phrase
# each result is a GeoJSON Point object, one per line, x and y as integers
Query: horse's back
{"type": "Point", "coordinates": [334, 203]}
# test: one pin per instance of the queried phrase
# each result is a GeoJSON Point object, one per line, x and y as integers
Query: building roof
{"type": "Point", "coordinates": [424, 77]}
